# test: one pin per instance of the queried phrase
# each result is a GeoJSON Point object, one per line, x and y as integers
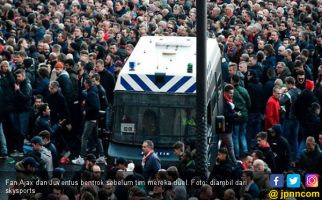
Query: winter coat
{"type": "Point", "coordinates": [102, 97]}
{"type": "Point", "coordinates": [261, 178]}
{"type": "Point", "coordinates": [222, 171]}
{"type": "Point", "coordinates": [289, 99]}
{"type": "Point", "coordinates": [272, 114]}
{"type": "Point", "coordinates": [303, 104]}
{"type": "Point", "coordinates": [229, 115]}
{"type": "Point", "coordinates": [269, 157]}
{"type": "Point", "coordinates": [270, 61]}
{"type": "Point", "coordinates": [311, 162]}
{"type": "Point", "coordinates": [7, 82]}
{"type": "Point", "coordinates": [66, 86]}
{"type": "Point", "coordinates": [43, 123]}
{"type": "Point", "coordinates": [92, 104]}
{"type": "Point", "coordinates": [151, 167]}
{"type": "Point", "coordinates": [285, 73]}
{"type": "Point", "coordinates": [256, 94]}
{"type": "Point", "coordinates": [42, 88]}
{"type": "Point", "coordinates": [23, 97]}
{"type": "Point", "coordinates": [108, 82]}
{"type": "Point", "coordinates": [58, 107]}
{"type": "Point", "coordinates": [268, 88]}
{"type": "Point", "coordinates": [312, 125]}
{"type": "Point", "coordinates": [281, 149]}
{"type": "Point", "coordinates": [242, 102]}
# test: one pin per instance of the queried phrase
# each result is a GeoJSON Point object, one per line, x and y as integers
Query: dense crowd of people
{"type": "Point", "coordinates": [58, 67]}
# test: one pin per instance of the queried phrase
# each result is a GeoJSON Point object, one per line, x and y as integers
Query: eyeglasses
{"type": "Point", "coordinates": [169, 27]}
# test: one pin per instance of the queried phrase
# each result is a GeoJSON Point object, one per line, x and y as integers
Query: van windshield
{"type": "Point", "coordinates": [164, 119]}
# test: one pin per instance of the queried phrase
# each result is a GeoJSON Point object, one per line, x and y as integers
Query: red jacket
{"type": "Point", "coordinates": [272, 115]}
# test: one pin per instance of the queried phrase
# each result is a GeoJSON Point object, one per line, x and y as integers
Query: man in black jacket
{"type": "Point", "coordinates": [256, 94]}
{"type": "Point", "coordinates": [222, 171]}
{"type": "Point", "coordinates": [20, 118]}
{"type": "Point", "coordinates": [91, 112]}
{"type": "Point", "coordinates": [58, 110]}
{"type": "Point", "coordinates": [64, 82]}
{"type": "Point", "coordinates": [264, 146]}
{"type": "Point", "coordinates": [107, 80]}
{"type": "Point", "coordinates": [280, 148]}
{"type": "Point", "coordinates": [291, 124]}
{"type": "Point", "coordinates": [229, 115]}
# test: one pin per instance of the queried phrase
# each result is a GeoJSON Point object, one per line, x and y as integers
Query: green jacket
{"type": "Point", "coordinates": [242, 102]}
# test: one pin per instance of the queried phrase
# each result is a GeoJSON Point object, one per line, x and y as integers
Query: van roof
{"type": "Point", "coordinates": [164, 64]}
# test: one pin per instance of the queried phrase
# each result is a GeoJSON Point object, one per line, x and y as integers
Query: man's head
{"type": "Point", "coordinates": [53, 87]}
{"type": "Point", "coordinates": [229, 194]}
{"type": "Point", "coordinates": [229, 91]}
{"type": "Point", "coordinates": [247, 160]}
{"type": "Point", "coordinates": [261, 139]}
{"type": "Point", "coordinates": [178, 148]}
{"type": "Point", "coordinates": [247, 176]}
{"type": "Point", "coordinates": [232, 69]}
{"type": "Point", "coordinates": [59, 67]}
{"type": "Point", "coordinates": [19, 57]}
{"type": "Point", "coordinates": [147, 146]}
{"type": "Point", "coordinates": [121, 163]}
{"type": "Point", "coordinates": [30, 164]}
{"type": "Point", "coordinates": [173, 173]}
{"type": "Point", "coordinates": [20, 75]}
{"type": "Point", "coordinates": [222, 154]}
{"type": "Point", "coordinates": [99, 65]}
{"type": "Point", "coordinates": [290, 82]}
{"type": "Point", "coordinates": [37, 143]}
{"type": "Point", "coordinates": [44, 110]}
{"type": "Point", "coordinates": [277, 92]}
{"type": "Point", "coordinates": [259, 165]}
{"type": "Point", "coordinates": [45, 136]}
{"type": "Point", "coordinates": [90, 161]}
{"type": "Point", "coordinates": [243, 66]}
{"type": "Point", "coordinates": [320, 138]}
{"type": "Point", "coordinates": [96, 170]}
{"type": "Point", "coordinates": [88, 83]}
{"type": "Point", "coordinates": [205, 192]}
{"type": "Point", "coordinates": [310, 144]}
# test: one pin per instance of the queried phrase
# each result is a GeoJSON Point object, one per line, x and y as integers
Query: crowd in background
{"type": "Point", "coordinates": [60, 60]}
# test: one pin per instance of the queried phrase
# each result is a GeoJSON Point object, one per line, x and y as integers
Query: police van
{"type": "Point", "coordinates": [155, 97]}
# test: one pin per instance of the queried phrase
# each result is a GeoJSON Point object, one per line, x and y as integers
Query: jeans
{"type": "Point", "coordinates": [239, 137]}
{"type": "Point", "coordinates": [3, 142]}
{"type": "Point", "coordinates": [254, 126]}
{"type": "Point", "coordinates": [291, 132]}
{"type": "Point", "coordinates": [20, 122]}
{"type": "Point", "coordinates": [90, 129]}
{"type": "Point", "coordinates": [226, 140]}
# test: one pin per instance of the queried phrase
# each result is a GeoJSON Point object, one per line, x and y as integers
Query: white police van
{"type": "Point", "coordinates": [155, 97]}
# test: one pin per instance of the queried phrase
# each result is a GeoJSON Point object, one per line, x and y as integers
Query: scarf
{"type": "Point", "coordinates": [145, 158]}
{"type": "Point", "coordinates": [230, 101]}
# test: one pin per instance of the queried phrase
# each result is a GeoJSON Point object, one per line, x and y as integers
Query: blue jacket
{"type": "Point", "coordinates": [42, 88]}
{"type": "Point", "coordinates": [92, 104]}
{"type": "Point", "coordinates": [43, 123]}
{"type": "Point", "coordinates": [151, 167]}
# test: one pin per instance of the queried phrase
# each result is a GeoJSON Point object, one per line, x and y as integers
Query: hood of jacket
{"type": "Point", "coordinates": [277, 129]}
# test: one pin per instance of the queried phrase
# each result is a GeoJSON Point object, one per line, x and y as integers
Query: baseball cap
{"type": "Point", "coordinates": [91, 157]}
{"type": "Point", "coordinates": [59, 65]}
{"type": "Point", "coordinates": [36, 140]}
{"type": "Point", "coordinates": [30, 161]}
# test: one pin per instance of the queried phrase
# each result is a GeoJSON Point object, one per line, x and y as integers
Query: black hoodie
{"type": "Point", "coordinates": [281, 149]}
